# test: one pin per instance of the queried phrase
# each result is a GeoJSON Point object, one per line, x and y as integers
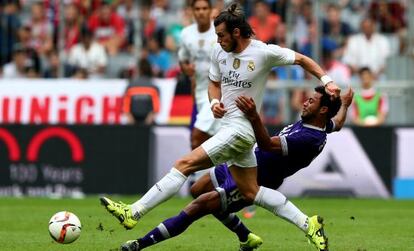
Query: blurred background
{"type": "Point", "coordinates": [75, 118]}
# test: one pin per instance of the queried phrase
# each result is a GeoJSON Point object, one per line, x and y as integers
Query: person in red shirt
{"type": "Point", "coordinates": [108, 28]}
{"type": "Point", "coordinates": [72, 26]}
{"type": "Point", "coordinates": [264, 23]}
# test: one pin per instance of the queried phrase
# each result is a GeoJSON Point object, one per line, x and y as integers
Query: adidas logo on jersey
{"type": "Point", "coordinates": [223, 62]}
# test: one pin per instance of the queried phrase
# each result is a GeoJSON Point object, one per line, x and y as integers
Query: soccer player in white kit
{"type": "Point", "coordinates": [197, 43]}
{"type": "Point", "coordinates": [239, 67]}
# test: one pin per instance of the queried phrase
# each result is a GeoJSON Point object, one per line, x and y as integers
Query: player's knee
{"type": "Point", "coordinates": [248, 196]}
{"type": "Point", "coordinates": [184, 165]}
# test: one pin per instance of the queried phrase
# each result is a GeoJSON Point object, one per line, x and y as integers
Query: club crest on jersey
{"type": "Point", "coordinates": [201, 43]}
{"type": "Point", "coordinates": [250, 66]}
{"type": "Point", "coordinates": [236, 63]}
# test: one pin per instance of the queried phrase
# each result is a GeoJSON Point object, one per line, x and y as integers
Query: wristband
{"type": "Point", "coordinates": [326, 79]}
{"type": "Point", "coordinates": [213, 102]}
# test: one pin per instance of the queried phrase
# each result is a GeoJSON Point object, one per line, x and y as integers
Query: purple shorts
{"type": "Point", "coordinates": [231, 199]}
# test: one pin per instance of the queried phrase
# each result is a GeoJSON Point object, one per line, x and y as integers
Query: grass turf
{"type": "Point", "coordinates": [351, 224]}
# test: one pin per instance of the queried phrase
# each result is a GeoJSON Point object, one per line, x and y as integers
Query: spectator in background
{"type": "Point", "coordinates": [142, 111]}
{"type": "Point", "coordinates": [148, 24]}
{"type": "Point", "coordinates": [334, 29]}
{"type": "Point", "coordinates": [337, 70]}
{"type": "Point", "coordinates": [108, 28]}
{"type": "Point", "coordinates": [73, 21]}
{"type": "Point", "coordinates": [41, 29]}
{"type": "Point", "coordinates": [130, 12]}
{"type": "Point", "coordinates": [273, 104]}
{"type": "Point", "coordinates": [390, 18]}
{"type": "Point", "coordinates": [303, 20]}
{"type": "Point", "coordinates": [52, 70]}
{"type": "Point", "coordinates": [388, 14]}
{"type": "Point", "coordinates": [89, 55]}
{"type": "Point", "coordinates": [159, 57]}
{"type": "Point", "coordinates": [79, 73]}
{"type": "Point", "coordinates": [264, 23]}
{"type": "Point", "coordinates": [9, 25]}
{"type": "Point", "coordinates": [367, 49]}
{"type": "Point", "coordinates": [370, 106]}
{"type": "Point", "coordinates": [18, 66]}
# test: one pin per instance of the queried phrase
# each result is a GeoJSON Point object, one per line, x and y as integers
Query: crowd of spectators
{"type": "Point", "coordinates": [106, 38]}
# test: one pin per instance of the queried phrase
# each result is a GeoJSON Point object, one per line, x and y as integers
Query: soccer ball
{"type": "Point", "coordinates": [64, 227]}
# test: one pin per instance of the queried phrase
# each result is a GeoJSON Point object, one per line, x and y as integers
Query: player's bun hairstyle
{"type": "Point", "coordinates": [234, 18]}
{"type": "Point", "coordinates": [333, 104]}
{"type": "Point", "coordinates": [194, 1]}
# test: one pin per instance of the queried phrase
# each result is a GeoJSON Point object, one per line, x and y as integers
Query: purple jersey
{"type": "Point", "coordinates": [301, 143]}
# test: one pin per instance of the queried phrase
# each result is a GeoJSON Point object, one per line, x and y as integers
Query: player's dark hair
{"type": "Point", "coordinates": [333, 104]}
{"type": "Point", "coordinates": [364, 69]}
{"type": "Point", "coordinates": [194, 1]}
{"type": "Point", "coordinates": [234, 18]}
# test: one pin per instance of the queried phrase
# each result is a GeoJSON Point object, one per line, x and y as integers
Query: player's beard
{"type": "Point", "coordinates": [306, 117]}
{"type": "Point", "coordinates": [233, 44]}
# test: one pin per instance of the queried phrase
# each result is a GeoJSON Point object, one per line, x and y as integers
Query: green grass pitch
{"type": "Point", "coordinates": [351, 224]}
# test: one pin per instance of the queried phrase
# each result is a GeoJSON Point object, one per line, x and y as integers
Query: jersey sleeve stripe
{"type": "Point", "coordinates": [284, 145]}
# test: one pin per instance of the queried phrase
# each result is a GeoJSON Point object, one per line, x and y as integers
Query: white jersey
{"type": "Point", "coordinates": [246, 73]}
{"type": "Point", "coordinates": [197, 47]}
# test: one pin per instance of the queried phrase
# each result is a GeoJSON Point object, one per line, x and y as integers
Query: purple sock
{"type": "Point", "coordinates": [232, 222]}
{"type": "Point", "coordinates": [167, 229]}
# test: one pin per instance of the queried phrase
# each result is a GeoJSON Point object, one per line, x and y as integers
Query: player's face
{"type": "Point", "coordinates": [311, 107]}
{"type": "Point", "coordinates": [225, 39]}
{"type": "Point", "coordinates": [202, 12]}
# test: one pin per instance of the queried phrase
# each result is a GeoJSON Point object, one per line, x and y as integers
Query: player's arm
{"type": "Point", "coordinates": [313, 68]}
{"type": "Point", "coordinates": [264, 141]}
{"type": "Point", "coordinates": [214, 94]}
{"type": "Point", "coordinates": [340, 117]}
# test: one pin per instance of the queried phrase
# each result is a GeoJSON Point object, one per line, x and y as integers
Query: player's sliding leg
{"type": "Point", "coordinates": [248, 240]}
{"type": "Point", "coordinates": [163, 190]}
{"type": "Point", "coordinates": [277, 203]}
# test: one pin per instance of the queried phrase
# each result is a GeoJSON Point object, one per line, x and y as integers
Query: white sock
{"type": "Point", "coordinates": [277, 203]}
{"type": "Point", "coordinates": [158, 193]}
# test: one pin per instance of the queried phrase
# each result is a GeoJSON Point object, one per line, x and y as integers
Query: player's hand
{"type": "Point", "coordinates": [332, 89]}
{"type": "Point", "coordinates": [247, 106]}
{"type": "Point", "coordinates": [347, 97]}
{"type": "Point", "coordinates": [218, 110]}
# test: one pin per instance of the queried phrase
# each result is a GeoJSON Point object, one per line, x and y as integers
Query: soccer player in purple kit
{"type": "Point", "coordinates": [278, 157]}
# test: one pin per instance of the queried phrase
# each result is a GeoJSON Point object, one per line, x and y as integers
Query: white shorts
{"type": "Point", "coordinates": [205, 120]}
{"type": "Point", "coordinates": [233, 144]}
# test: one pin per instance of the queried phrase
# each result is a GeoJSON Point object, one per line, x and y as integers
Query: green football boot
{"type": "Point", "coordinates": [316, 234]}
{"type": "Point", "coordinates": [121, 211]}
{"type": "Point", "coordinates": [253, 242]}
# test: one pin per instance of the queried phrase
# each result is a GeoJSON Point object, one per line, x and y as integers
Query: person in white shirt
{"type": "Point", "coordinates": [89, 55]}
{"type": "Point", "coordinates": [240, 66]}
{"type": "Point", "coordinates": [367, 49]}
{"type": "Point", "coordinates": [197, 43]}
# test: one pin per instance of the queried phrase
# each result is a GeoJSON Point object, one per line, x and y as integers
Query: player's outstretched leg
{"type": "Point", "coordinates": [316, 234]}
{"type": "Point", "coordinates": [253, 242]}
{"type": "Point", "coordinates": [121, 211]}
